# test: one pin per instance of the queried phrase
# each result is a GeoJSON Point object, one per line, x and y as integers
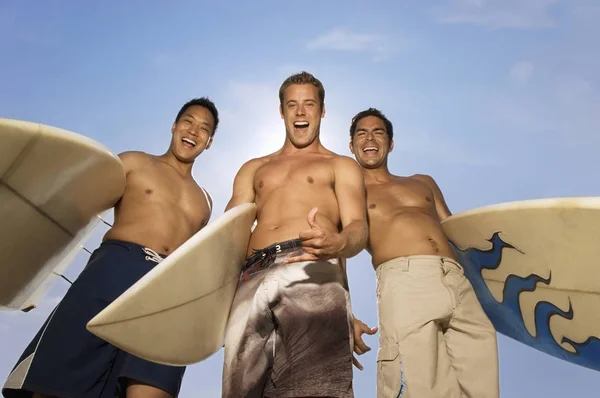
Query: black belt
{"type": "Point", "coordinates": [268, 253]}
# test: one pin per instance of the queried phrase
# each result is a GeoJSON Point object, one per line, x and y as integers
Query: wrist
{"type": "Point", "coordinates": [342, 244]}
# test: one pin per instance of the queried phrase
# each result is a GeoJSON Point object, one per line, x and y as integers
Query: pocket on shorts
{"type": "Point", "coordinates": [390, 376]}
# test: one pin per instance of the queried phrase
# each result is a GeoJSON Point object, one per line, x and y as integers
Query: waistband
{"type": "Point", "coordinates": [421, 260]}
{"type": "Point", "coordinates": [151, 255]}
{"type": "Point", "coordinates": [262, 258]}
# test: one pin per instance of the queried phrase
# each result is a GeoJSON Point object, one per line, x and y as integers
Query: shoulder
{"type": "Point", "coordinates": [343, 163]}
{"type": "Point", "coordinates": [427, 179]}
{"type": "Point", "coordinates": [134, 159]}
{"type": "Point", "coordinates": [252, 165]}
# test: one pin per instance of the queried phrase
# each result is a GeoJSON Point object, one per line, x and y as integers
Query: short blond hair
{"type": "Point", "coordinates": [303, 78]}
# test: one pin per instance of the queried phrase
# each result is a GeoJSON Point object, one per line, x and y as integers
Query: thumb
{"type": "Point", "coordinates": [372, 330]}
{"type": "Point", "coordinates": [311, 217]}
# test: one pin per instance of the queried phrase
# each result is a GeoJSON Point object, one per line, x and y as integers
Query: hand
{"type": "Point", "coordinates": [359, 345]}
{"type": "Point", "coordinates": [318, 243]}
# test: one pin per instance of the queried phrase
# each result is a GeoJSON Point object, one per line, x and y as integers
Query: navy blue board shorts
{"type": "Point", "coordinates": [65, 360]}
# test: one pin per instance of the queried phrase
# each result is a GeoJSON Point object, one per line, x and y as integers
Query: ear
{"type": "Point", "coordinates": [281, 110]}
{"type": "Point", "coordinates": [391, 145]}
{"type": "Point", "coordinates": [209, 142]}
{"type": "Point", "coordinates": [173, 127]}
{"type": "Point", "coordinates": [323, 112]}
{"type": "Point", "coordinates": [350, 146]}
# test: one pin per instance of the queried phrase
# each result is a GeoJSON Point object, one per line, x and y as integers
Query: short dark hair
{"type": "Point", "coordinates": [372, 112]}
{"type": "Point", "coordinates": [204, 102]}
{"type": "Point", "coordinates": [303, 78]}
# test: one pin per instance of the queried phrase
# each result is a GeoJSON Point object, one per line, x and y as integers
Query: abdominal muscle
{"type": "Point", "coordinates": [284, 214]}
{"type": "Point", "coordinates": [160, 228]}
{"type": "Point", "coordinates": [407, 233]}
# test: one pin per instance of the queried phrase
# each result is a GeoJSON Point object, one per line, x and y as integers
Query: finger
{"type": "Point", "coordinates": [312, 251]}
{"type": "Point", "coordinates": [315, 243]}
{"type": "Point", "coordinates": [360, 344]}
{"type": "Point", "coordinates": [312, 222]}
{"type": "Point", "coordinates": [356, 363]}
{"type": "Point", "coordinates": [310, 234]}
{"type": "Point", "coordinates": [303, 257]}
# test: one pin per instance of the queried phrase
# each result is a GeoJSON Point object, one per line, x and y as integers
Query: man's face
{"type": "Point", "coordinates": [301, 112]}
{"type": "Point", "coordinates": [371, 144]}
{"type": "Point", "coordinates": [192, 133]}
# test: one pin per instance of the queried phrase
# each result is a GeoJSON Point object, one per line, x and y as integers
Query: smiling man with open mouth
{"type": "Point", "coordinates": [435, 340]}
{"type": "Point", "coordinates": [162, 206]}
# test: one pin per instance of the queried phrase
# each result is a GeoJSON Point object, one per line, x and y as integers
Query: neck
{"type": "Point", "coordinates": [290, 149]}
{"type": "Point", "coordinates": [185, 169]}
{"type": "Point", "coordinates": [377, 175]}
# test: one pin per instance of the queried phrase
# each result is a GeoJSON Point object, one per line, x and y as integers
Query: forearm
{"type": "Point", "coordinates": [355, 236]}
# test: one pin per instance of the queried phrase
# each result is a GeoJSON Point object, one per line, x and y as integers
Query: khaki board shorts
{"type": "Point", "coordinates": [435, 339]}
{"type": "Point", "coordinates": [290, 331]}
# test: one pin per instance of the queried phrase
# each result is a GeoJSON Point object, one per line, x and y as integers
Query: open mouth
{"type": "Point", "coordinates": [370, 149]}
{"type": "Point", "coordinates": [188, 142]}
{"type": "Point", "coordinates": [302, 126]}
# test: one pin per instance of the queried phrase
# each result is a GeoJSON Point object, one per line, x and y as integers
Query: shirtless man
{"type": "Point", "coordinates": [435, 340]}
{"type": "Point", "coordinates": [290, 329]}
{"type": "Point", "coordinates": [161, 208]}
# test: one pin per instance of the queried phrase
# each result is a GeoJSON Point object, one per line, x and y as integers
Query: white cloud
{"type": "Point", "coordinates": [341, 39]}
{"type": "Point", "coordinates": [521, 72]}
{"type": "Point", "coordinates": [519, 14]}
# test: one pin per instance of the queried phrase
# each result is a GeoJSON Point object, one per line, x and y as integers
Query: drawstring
{"type": "Point", "coordinates": [151, 255]}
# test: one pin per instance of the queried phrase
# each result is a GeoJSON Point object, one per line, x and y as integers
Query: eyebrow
{"type": "Point", "coordinates": [364, 129]}
{"type": "Point", "coordinates": [195, 118]}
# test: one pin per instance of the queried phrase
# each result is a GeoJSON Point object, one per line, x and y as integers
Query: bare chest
{"type": "Point", "coordinates": [298, 175]}
{"type": "Point", "coordinates": [397, 196]}
{"type": "Point", "coordinates": [159, 186]}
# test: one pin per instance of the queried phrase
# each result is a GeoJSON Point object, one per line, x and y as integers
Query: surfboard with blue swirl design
{"type": "Point", "coordinates": [535, 267]}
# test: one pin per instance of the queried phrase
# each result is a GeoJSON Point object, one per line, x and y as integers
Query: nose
{"type": "Point", "coordinates": [300, 111]}
{"type": "Point", "coordinates": [193, 130]}
{"type": "Point", "coordinates": [370, 136]}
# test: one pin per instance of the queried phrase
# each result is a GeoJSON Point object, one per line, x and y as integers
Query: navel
{"type": "Point", "coordinates": [434, 245]}
{"type": "Point", "coordinates": [149, 191]}
{"type": "Point", "coordinates": [427, 198]}
{"type": "Point", "coordinates": [166, 249]}
{"type": "Point", "coordinates": [372, 206]}
{"type": "Point", "coordinates": [260, 184]}
{"type": "Point", "coordinates": [310, 180]}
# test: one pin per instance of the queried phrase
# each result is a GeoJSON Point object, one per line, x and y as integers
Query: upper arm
{"type": "Point", "coordinates": [440, 203]}
{"type": "Point", "coordinates": [243, 185]}
{"type": "Point", "coordinates": [350, 191]}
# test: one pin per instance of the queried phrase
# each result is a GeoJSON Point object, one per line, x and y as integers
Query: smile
{"type": "Point", "coordinates": [187, 140]}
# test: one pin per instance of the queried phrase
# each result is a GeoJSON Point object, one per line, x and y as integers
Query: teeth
{"type": "Point", "coordinates": [370, 148]}
{"type": "Point", "coordinates": [189, 141]}
{"type": "Point", "coordinates": [301, 124]}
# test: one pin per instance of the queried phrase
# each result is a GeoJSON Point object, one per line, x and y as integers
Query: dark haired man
{"type": "Point", "coordinates": [435, 340]}
{"type": "Point", "coordinates": [161, 208]}
{"type": "Point", "coordinates": [290, 328]}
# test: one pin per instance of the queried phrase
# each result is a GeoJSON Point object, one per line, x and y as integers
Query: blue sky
{"type": "Point", "coordinates": [498, 100]}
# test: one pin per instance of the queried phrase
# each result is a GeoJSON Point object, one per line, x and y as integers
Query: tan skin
{"type": "Point", "coordinates": [405, 213]}
{"type": "Point", "coordinates": [304, 190]}
{"type": "Point", "coordinates": [162, 205]}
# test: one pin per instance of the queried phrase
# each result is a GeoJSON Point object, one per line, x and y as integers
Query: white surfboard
{"type": "Point", "coordinates": [535, 266]}
{"type": "Point", "coordinates": [53, 184]}
{"type": "Point", "coordinates": [176, 314]}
